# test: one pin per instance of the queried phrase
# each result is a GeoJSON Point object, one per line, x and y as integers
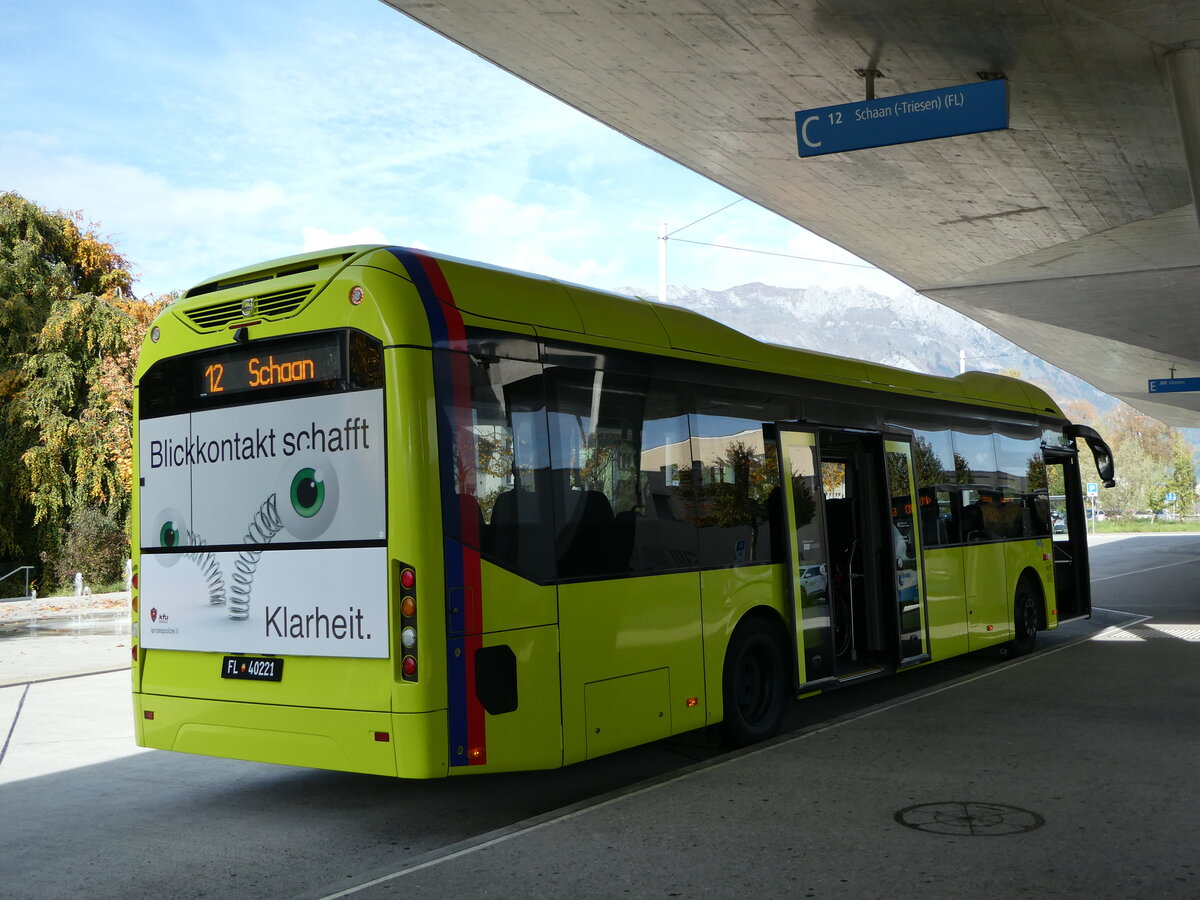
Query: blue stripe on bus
{"type": "Point", "coordinates": [446, 393]}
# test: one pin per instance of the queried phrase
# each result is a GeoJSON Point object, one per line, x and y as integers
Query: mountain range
{"type": "Point", "coordinates": [906, 331]}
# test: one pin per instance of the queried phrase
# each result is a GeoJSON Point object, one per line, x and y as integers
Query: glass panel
{"type": "Point", "coordinates": [595, 444]}
{"type": "Point", "coordinates": [1056, 490]}
{"type": "Point", "coordinates": [732, 481]}
{"type": "Point", "coordinates": [937, 469]}
{"type": "Point", "coordinates": [904, 533]}
{"type": "Point", "coordinates": [976, 471]}
{"type": "Point", "coordinates": [501, 466]}
{"type": "Point", "coordinates": [664, 535]}
{"type": "Point", "coordinates": [1022, 472]}
{"type": "Point", "coordinates": [811, 577]}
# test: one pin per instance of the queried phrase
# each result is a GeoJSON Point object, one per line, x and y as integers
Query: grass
{"type": "Point", "coordinates": [1142, 526]}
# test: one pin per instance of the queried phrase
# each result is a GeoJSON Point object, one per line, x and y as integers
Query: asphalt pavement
{"type": "Point", "coordinates": [1070, 772]}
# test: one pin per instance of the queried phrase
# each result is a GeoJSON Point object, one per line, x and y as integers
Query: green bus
{"type": "Point", "coordinates": [403, 514]}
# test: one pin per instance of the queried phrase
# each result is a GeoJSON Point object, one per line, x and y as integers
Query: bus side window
{"type": "Point", "coordinates": [501, 465]}
{"type": "Point", "coordinates": [733, 471]}
{"type": "Point", "coordinates": [595, 423]}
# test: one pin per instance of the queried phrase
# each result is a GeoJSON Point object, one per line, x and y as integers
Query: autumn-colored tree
{"type": "Point", "coordinates": [69, 333]}
{"type": "Point", "coordinates": [1125, 424]}
{"type": "Point", "coordinates": [1152, 459]}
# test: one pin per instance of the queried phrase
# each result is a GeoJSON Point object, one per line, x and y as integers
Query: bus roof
{"type": "Point", "coordinates": [611, 317]}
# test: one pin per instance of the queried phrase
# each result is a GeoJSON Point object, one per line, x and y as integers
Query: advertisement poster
{"type": "Point", "coordinates": [263, 528]}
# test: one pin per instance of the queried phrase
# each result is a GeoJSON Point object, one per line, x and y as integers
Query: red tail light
{"type": "Point", "coordinates": [407, 581]}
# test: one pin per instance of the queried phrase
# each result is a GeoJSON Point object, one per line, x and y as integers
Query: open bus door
{"type": "Point", "coordinates": [856, 587]}
{"type": "Point", "coordinates": [1072, 575]}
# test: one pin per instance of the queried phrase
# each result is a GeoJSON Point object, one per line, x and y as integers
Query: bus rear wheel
{"type": "Point", "coordinates": [1025, 618]}
{"type": "Point", "coordinates": [754, 683]}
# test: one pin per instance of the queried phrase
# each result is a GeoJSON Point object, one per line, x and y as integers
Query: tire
{"type": "Point", "coordinates": [754, 683]}
{"type": "Point", "coordinates": [1025, 618]}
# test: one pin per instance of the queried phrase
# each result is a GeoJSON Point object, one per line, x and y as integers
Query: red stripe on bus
{"type": "Point", "coordinates": [476, 725]}
{"type": "Point", "coordinates": [464, 440]}
{"type": "Point", "coordinates": [456, 331]}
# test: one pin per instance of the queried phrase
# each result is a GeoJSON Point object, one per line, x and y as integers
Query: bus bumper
{"type": "Point", "coordinates": [409, 745]}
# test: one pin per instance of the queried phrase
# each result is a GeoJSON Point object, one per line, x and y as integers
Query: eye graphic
{"type": "Point", "coordinates": [308, 492]}
{"type": "Point", "coordinates": [307, 496]}
{"type": "Point", "coordinates": [170, 533]}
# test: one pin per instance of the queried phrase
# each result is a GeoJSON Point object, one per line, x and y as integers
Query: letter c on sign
{"type": "Point", "coordinates": [804, 132]}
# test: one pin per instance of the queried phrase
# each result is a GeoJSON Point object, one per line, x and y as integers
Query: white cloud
{"type": "Point", "coordinates": [320, 239]}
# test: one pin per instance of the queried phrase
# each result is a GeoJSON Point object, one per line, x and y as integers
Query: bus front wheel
{"type": "Point", "coordinates": [1025, 618]}
{"type": "Point", "coordinates": [754, 683]}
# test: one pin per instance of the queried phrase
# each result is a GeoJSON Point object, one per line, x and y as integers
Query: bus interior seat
{"type": "Point", "coordinates": [586, 540]}
{"type": "Point", "coordinates": [972, 523]}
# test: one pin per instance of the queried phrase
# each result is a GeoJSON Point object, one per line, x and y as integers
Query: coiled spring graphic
{"type": "Point", "coordinates": [263, 527]}
{"type": "Point", "coordinates": [210, 569]}
{"type": "Point", "coordinates": [173, 534]}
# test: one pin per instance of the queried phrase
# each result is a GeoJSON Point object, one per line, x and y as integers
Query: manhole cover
{"type": "Point", "coordinates": [981, 819]}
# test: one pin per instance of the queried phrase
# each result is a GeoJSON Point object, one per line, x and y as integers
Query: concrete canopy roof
{"type": "Point", "coordinates": [1073, 233]}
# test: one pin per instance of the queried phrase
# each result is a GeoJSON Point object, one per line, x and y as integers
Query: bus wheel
{"type": "Point", "coordinates": [754, 683]}
{"type": "Point", "coordinates": [1025, 618]}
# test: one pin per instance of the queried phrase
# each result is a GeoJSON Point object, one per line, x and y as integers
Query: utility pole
{"type": "Point", "coordinates": [662, 262]}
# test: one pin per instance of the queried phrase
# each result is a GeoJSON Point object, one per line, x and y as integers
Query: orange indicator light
{"type": "Point", "coordinates": [475, 753]}
{"type": "Point", "coordinates": [989, 628]}
{"type": "Point", "coordinates": [692, 701]}
{"type": "Point", "coordinates": [408, 607]}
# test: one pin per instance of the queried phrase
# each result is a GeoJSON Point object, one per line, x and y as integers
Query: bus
{"type": "Point", "coordinates": [403, 514]}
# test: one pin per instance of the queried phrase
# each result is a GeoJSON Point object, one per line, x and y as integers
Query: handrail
{"type": "Point", "coordinates": [27, 570]}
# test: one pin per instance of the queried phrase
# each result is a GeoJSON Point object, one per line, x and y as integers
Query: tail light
{"type": "Point", "coordinates": [407, 582]}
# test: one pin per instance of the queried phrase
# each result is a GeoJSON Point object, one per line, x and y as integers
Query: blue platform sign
{"type": "Point", "coordinates": [903, 119]}
{"type": "Point", "coordinates": [1173, 385]}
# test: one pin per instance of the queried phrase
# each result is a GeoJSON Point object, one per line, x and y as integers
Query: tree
{"type": "Point", "coordinates": [1152, 460]}
{"type": "Point", "coordinates": [1137, 474]}
{"type": "Point", "coordinates": [1182, 475]}
{"type": "Point", "coordinates": [1124, 425]}
{"type": "Point", "coordinates": [69, 333]}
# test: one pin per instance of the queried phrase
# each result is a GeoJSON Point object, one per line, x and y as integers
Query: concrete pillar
{"type": "Point", "coordinates": [1184, 66]}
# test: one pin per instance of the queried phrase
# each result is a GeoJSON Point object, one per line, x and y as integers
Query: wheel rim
{"type": "Point", "coordinates": [754, 687]}
{"type": "Point", "coordinates": [1028, 618]}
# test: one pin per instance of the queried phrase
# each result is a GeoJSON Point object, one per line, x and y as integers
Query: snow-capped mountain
{"type": "Point", "coordinates": [908, 331]}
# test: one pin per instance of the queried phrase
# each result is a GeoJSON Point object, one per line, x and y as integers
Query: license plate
{"type": "Point", "coordinates": [252, 668]}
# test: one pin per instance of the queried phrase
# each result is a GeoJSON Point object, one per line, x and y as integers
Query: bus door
{"type": "Point", "coordinates": [809, 572]}
{"type": "Point", "coordinates": [905, 557]}
{"type": "Point", "coordinates": [857, 595]}
{"type": "Point", "coordinates": [1072, 579]}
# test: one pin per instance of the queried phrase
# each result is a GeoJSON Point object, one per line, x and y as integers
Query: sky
{"type": "Point", "coordinates": [206, 136]}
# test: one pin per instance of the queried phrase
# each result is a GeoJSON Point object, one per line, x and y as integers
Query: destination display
{"type": "Point", "coordinates": [904, 118]}
{"type": "Point", "coordinates": [251, 369]}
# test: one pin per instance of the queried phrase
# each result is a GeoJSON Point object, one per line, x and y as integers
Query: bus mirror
{"type": "Point", "coordinates": [1100, 451]}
